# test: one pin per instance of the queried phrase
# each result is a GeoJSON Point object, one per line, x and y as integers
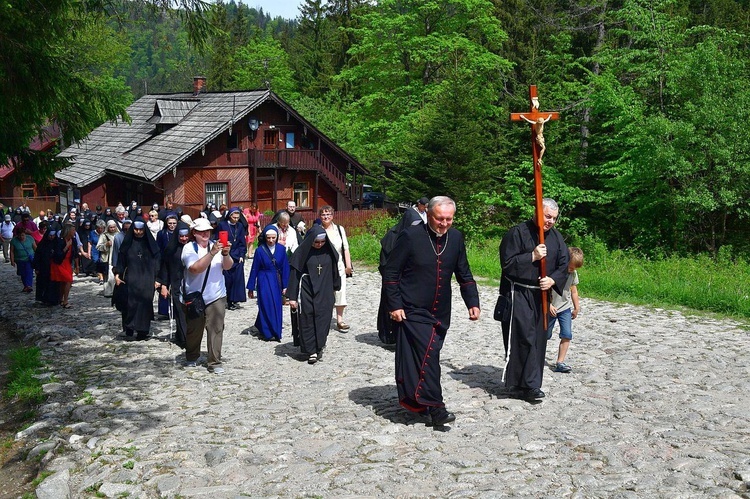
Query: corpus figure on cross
{"type": "Point", "coordinates": [537, 127]}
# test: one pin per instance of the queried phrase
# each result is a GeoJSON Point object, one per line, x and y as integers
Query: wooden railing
{"type": "Point", "coordinates": [300, 160]}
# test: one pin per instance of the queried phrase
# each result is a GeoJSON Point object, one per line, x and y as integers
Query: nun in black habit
{"type": "Point", "coordinates": [313, 279]}
{"type": "Point", "coordinates": [135, 280]}
{"type": "Point", "coordinates": [47, 290]}
{"type": "Point", "coordinates": [170, 279]}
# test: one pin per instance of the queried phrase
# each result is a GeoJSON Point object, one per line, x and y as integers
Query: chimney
{"type": "Point", "coordinates": [199, 82]}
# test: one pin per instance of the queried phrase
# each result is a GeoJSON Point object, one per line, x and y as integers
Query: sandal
{"type": "Point", "coordinates": [313, 358]}
{"type": "Point", "coordinates": [342, 326]}
{"type": "Point", "coordinates": [65, 305]}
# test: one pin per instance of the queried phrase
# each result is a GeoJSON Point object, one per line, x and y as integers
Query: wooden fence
{"type": "Point", "coordinates": [354, 221]}
{"type": "Point", "coordinates": [35, 205]}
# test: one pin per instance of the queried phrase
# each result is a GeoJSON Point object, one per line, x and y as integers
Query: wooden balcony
{"type": "Point", "coordinates": [296, 159]}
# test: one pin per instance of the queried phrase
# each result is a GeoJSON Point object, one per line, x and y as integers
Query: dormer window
{"type": "Point", "coordinates": [169, 112]}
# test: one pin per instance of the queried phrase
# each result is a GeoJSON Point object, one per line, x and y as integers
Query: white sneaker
{"type": "Point", "coordinates": [218, 370]}
{"type": "Point", "coordinates": [191, 363]}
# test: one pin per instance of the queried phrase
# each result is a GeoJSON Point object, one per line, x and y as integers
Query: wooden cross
{"type": "Point", "coordinates": [319, 269]}
{"type": "Point", "coordinates": [537, 119]}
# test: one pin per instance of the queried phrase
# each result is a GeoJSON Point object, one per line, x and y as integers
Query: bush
{"type": "Point", "coordinates": [380, 224]}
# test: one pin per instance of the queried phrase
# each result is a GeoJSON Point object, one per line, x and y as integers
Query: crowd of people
{"type": "Point", "coordinates": [196, 268]}
{"type": "Point", "coordinates": [136, 254]}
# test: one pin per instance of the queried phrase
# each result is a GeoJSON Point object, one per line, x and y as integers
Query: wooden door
{"type": "Point", "coordinates": [270, 145]}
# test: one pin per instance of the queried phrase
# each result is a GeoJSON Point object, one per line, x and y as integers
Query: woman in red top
{"type": "Point", "coordinates": [252, 215]}
{"type": "Point", "coordinates": [61, 268]}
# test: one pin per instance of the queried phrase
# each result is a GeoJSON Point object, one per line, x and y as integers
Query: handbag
{"type": "Point", "coordinates": [502, 309]}
{"type": "Point", "coordinates": [120, 295]}
{"type": "Point", "coordinates": [109, 286]}
{"type": "Point", "coordinates": [196, 307]}
{"type": "Point", "coordinates": [343, 251]}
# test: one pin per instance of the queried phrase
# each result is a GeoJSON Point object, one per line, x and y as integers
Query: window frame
{"type": "Point", "coordinates": [300, 190]}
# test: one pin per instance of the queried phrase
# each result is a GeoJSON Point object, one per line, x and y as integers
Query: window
{"type": "Point", "coordinates": [289, 140]}
{"type": "Point", "coordinates": [216, 193]}
{"type": "Point", "coordinates": [28, 190]}
{"type": "Point", "coordinates": [302, 194]}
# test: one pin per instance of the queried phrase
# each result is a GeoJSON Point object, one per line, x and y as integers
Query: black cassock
{"type": "Point", "coordinates": [386, 331]}
{"type": "Point", "coordinates": [47, 290]}
{"type": "Point", "coordinates": [170, 275]}
{"type": "Point", "coordinates": [313, 279]}
{"type": "Point", "coordinates": [524, 336]}
{"type": "Point", "coordinates": [138, 264]}
{"type": "Point", "coordinates": [417, 279]}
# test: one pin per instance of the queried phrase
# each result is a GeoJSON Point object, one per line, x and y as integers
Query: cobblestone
{"type": "Point", "coordinates": [656, 406]}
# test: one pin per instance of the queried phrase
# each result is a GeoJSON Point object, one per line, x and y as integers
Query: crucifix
{"type": "Point", "coordinates": [319, 269]}
{"type": "Point", "coordinates": [537, 119]}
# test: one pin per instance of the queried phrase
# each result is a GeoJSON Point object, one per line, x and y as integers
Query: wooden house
{"type": "Point", "coordinates": [232, 148]}
{"type": "Point", "coordinates": [14, 189]}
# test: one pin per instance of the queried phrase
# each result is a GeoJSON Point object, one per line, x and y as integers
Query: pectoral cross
{"type": "Point", "coordinates": [319, 269]}
{"type": "Point", "coordinates": [537, 120]}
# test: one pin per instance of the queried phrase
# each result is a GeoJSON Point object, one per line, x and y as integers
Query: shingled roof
{"type": "Point", "coordinates": [135, 150]}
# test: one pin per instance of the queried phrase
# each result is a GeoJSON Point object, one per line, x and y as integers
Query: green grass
{"type": "Point", "coordinates": [25, 362]}
{"type": "Point", "coordinates": [718, 285]}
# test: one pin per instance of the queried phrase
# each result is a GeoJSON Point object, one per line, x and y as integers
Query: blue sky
{"type": "Point", "coordinates": [288, 9]}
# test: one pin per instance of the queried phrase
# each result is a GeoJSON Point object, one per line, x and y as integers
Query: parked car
{"type": "Point", "coordinates": [372, 200]}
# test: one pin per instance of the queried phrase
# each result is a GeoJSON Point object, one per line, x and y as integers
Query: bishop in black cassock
{"type": "Point", "coordinates": [524, 336]}
{"type": "Point", "coordinates": [417, 282]}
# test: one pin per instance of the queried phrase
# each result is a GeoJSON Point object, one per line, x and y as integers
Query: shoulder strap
{"type": "Point", "coordinates": [343, 250]}
{"type": "Point", "coordinates": [208, 270]}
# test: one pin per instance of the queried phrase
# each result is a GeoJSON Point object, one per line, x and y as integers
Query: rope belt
{"type": "Point", "coordinates": [513, 285]}
{"type": "Point", "coordinates": [299, 292]}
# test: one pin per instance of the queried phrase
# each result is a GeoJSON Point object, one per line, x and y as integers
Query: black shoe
{"type": "Point", "coordinates": [441, 416]}
{"type": "Point", "coordinates": [534, 394]}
